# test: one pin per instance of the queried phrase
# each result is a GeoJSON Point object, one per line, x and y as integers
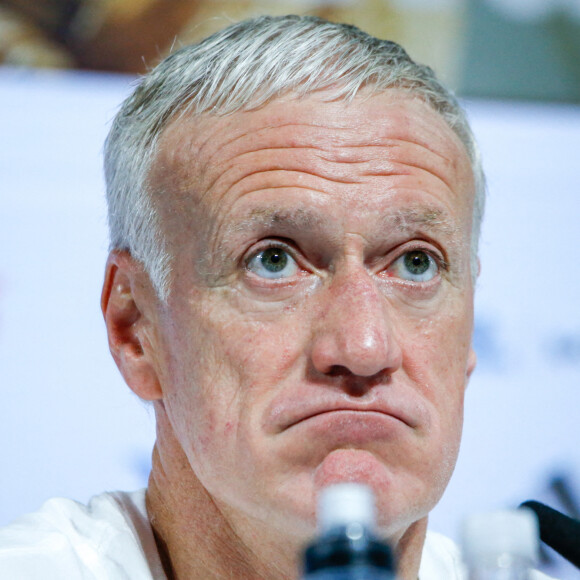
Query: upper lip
{"type": "Point", "coordinates": [292, 416]}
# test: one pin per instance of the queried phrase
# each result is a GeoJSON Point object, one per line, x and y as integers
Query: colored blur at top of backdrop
{"type": "Point", "coordinates": [515, 49]}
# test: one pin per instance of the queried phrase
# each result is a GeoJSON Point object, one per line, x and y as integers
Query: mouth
{"type": "Point", "coordinates": [350, 415]}
{"type": "Point", "coordinates": [345, 426]}
{"type": "Point", "coordinates": [303, 408]}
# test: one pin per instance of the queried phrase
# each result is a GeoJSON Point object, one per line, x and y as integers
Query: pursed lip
{"type": "Point", "coordinates": [291, 417]}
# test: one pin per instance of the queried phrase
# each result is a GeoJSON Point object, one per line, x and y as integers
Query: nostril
{"type": "Point", "coordinates": [358, 385]}
{"type": "Point", "coordinates": [337, 371]}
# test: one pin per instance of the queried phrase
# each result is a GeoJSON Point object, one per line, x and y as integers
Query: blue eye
{"type": "Point", "coordinates": [416, 266]}
{"type": "Point", "coordinates": [274, 262]}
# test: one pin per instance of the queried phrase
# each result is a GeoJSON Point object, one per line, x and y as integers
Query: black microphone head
{"type": "Point", "coordinates": [557, 530]}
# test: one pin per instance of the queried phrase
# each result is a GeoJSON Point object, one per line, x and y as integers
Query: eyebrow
{"type": "Point", "coordinates": [267, 218]}
{"type": "Point", "coordinates": [298, 218]}
{"type": "Point", "coordinates": [428, 217]}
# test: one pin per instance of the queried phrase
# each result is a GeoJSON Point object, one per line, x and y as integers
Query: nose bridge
{"type": "Point", "coordinates": [355, 331]}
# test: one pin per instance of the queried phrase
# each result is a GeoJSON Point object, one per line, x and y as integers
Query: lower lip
{"type": "Point", "coordinates": [352, 427]}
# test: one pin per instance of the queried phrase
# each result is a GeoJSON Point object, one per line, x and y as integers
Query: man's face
{"type": "Point", "coordinates": [319, 323]}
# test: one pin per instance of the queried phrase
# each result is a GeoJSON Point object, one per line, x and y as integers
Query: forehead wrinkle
{"type": "Point", "coordinates": [379, 165]}
{"type": "Point", "coordinates": [272, 173]}
{"type": "Point", "coordinates": [341, 145]}
{"type": "Point", "coordinates": [390, 163]}
{"type": "Point", "coordinates": [260, 141]}
{"type": "Point", "coordinates": [248, 172]}
{"type": "Point", "coordinates": [241, 125]}
{"type": "Point", "coordinates": [274, 168]}
{"type": "Point", "coordinates": [306, 141]}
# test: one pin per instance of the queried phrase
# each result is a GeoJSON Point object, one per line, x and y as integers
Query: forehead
{"type": "Point", "coordinates": [313, 145]}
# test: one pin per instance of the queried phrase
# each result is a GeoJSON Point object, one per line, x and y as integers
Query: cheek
{"type": "Point", "coordinates": [224, 369]}
{"type": "Point", "coordinates": [444, 342]}
{"type": "Point", "coordinates": [195, 382]}
{"type": "Point", "coordinates": [437, 367]}
{"type": "Point", "coordinates": [437, 361]}
{"type": "Point", "coordinates": [259, 351]}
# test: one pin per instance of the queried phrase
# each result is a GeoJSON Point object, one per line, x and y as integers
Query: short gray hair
{"type": "Point", "coordinates": [244, 67]}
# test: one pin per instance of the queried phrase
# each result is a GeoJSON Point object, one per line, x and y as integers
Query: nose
{"type": "Point", "coordinates": [355, 334]}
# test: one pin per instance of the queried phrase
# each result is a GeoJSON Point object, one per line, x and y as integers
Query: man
{"type": "Point", "coordinates": [294, 212]}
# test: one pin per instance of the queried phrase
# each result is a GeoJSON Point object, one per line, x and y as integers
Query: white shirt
{"type": "Point", "coordinates": [111, 539]}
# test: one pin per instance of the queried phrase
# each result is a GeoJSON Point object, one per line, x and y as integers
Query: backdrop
{"type": "Point", "coordinates": [68, 424]}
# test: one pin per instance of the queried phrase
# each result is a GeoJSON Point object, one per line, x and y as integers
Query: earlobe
{"type": "Point", "coordinates": [122, 303]}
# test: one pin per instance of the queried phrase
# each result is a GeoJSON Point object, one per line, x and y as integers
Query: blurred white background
{"type": "Point", "coordinates": [70, 427]}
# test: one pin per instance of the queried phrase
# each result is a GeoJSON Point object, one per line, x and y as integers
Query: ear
{"type": "Point", "coordinates": [471, 362]}
{"type": "Point", "coordinates": [127, 301]}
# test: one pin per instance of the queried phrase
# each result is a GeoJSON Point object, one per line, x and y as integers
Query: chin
{"type": "Point", "coordinates": [401, 498]}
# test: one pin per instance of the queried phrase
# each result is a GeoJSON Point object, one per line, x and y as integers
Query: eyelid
{"type": "Point", "coordinates": [397, 253]}
{"type": "Point", "coordinates": [394, 270]}
{"type": "Point", "coordinates": [420, 246]}
{"type": "Point", "coordinates": [302, 265]}
{"type": "Point", "coordinates": [268, 243]}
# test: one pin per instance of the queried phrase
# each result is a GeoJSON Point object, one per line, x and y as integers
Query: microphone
{"type": "Point", "coordinates": [560, 532]}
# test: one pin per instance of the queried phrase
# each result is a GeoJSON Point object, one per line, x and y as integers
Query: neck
{"type": "Point", "coordinates": [200, 540]}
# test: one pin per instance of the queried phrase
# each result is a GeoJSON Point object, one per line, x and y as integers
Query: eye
{"type": "Point", "coordinates": [273, 262]}
{"type": "Point", "coordinates": [416, 266]}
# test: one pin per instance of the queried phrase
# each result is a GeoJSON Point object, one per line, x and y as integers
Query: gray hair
{"type": "Point", "coordinates": [244, 67]}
